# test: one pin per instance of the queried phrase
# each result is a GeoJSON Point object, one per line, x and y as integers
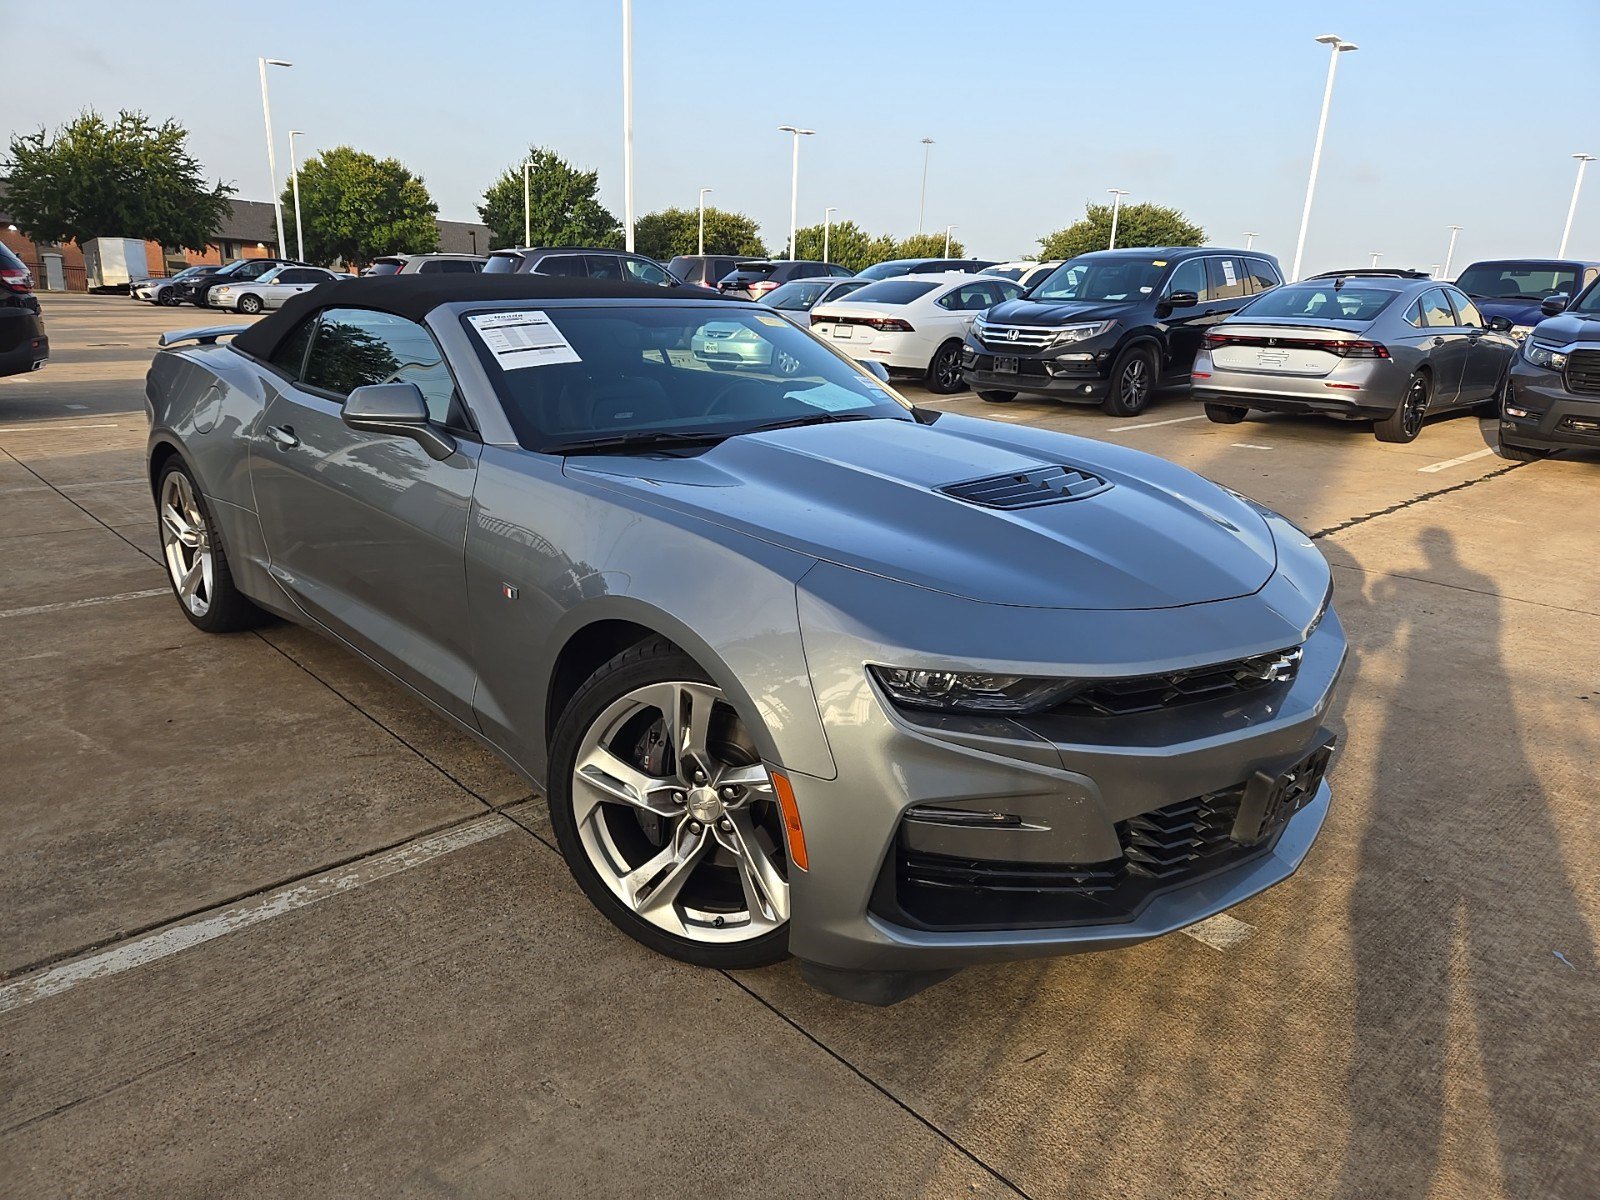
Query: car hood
{"type": "Point", "coordinates": [867, 495]}
{"type": "Point", "coordinates": [1054, 312]}
{"type": "Point", "coordinates": [1518, 312]}
{"type": "Point", "coordinates": [1568, 327]}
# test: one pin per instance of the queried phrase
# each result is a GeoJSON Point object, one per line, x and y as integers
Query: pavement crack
{"type": "Point", "coordinates": [1404, 504]}
{"type": "Point", "coordinates": [68, 1105]}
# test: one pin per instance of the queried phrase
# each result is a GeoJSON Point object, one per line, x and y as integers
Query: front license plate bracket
{"type": "Point", "coordinates": [1271, 797]}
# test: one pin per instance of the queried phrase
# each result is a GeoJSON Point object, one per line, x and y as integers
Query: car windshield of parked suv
{"type": "Point", "coordinates": [1517, 280]}
{"type": "Point", "coordinates": [796, 295]}
{"type": "Point", "coordinates": [1103, 280]}
{"type": "Point", "coordinates": [1320, 302]}
{"type": "Point", "coordinates": [892, 291]}
{"type": "Point", "coordinates": [575, 379]}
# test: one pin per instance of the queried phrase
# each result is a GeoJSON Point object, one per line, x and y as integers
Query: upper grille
{"type": "Point", "coordinates": [1583, 371]}
{"type": "Point", "coordinates": [1149, 693]}
{"type": "Point", "coordinates": [1015, 337]}
{"type": "Point", "coordinates": [1027, 489]}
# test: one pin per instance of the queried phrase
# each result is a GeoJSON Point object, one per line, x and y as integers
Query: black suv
{"type": "Point", "coordinates": [1552, 393]}
{"type": "Point", "coordinates": [1111, 326]}
{"type": "Point", "coordinates": [240, 270]}
{"type": "Point", "coordinates": [23, 345]}
{"type": "Point", "coordinates": [580, 262]}
{"type": "Point", "coordinates": [753, 278]}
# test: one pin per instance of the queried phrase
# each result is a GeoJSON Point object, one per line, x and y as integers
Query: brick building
{"type": "Point", "coordinates": [250, 231]}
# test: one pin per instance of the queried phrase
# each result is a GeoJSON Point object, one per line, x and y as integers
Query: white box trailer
{"type": "Point", "coordinates": [113, 262]}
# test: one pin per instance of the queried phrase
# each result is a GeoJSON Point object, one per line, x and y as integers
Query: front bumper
{"type": "Point", "coordinates": [1076, 783]}
{"type": "Point", "coordinates": [1078, 371]}
{"type": "Point", "coordinates": [215, 301]}
{"type": "Point", "coordinates": [1557, 419]}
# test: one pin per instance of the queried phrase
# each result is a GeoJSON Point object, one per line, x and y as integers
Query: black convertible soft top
{"type": "Point", "coordinates": [415, 296]}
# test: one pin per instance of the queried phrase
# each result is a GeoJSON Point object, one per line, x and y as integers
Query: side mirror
{"type": "Point", "coordinates": [398, 409]}
{"type": "Point", "coordinates": [1500, 324]}
{"type": "Point", "coordinates": [1183, 299]}
{"type": "Point", "coordinates": [1554, 305]}
{"type": "Point", "coordinates": [876, 369]}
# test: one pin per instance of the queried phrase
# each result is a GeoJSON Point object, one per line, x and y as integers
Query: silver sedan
{"type": "Point", "coordinates": [1360, 347]}
{"type": "Point", "coordinates": [799, 668]}
{"type": "Point", "coordinates": [270, 289]}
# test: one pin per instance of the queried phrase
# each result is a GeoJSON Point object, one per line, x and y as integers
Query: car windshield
{"type": "Point", "coordinates": [1320, 302]}
{"type": "Point", "coordinates": [891, 291]}
{"type": "Point", "coordinates": [796, 296]}
{"type": "Point", "coordinates": [1005, 272]}
{"type": "Point", "coordinates": [575, 379]}
{"type": "Point", "coordinates": [1101, 279]}
{"type": "Point", "coordinates": [1517, 280]}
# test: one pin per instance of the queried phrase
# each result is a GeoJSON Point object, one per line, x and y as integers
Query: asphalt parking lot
{"type": "Point", "coordinates": [273, 927]}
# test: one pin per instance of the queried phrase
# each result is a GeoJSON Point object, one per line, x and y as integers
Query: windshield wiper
{"type": "Point", "coordinates": [639, 441]}
{"type": "Point", "coordinates": [814, 419]}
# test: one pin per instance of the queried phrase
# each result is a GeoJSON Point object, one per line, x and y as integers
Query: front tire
{"type": "Point", "coordinates": [666, 814]}
{"type": "Point", "coordinates": [167, 298]}
{"type": "Point", "coordinates": [197, 566]}
{"type": "Point", "coordinates": [1133, 382]}
{"type": "Point", "coordinates": [249, 305]}
{"type": "Point", "coordinates": [1405, 422]}
{"type": "Point", "coordinates": [997, 397]}
{"type": "Point", "coordinates": [1225, 414]}
{"type": "Point", "coordinates": [944, 371]}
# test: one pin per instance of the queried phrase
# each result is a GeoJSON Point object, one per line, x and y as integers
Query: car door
{"type": "Point", "coordinates": [1487, 352]}
{"type": "Point", "coordinates": [291, 281]}
{"type": "Point", "coordinates": [1186, 327]}
{"type": "Point", "coordinates": [1444, 345]}
{"type": "Point", "coordinates": [364, 530]}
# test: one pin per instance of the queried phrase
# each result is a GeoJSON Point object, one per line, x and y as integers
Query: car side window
{"type": "Point", "coordinates": [301, 275]}
{"type": "Point", "coordinates": [1190, 277]}
{"type": "Point", "coordinates": [355, 347]}
{"type": "Point", "coordinates": [645, 272]}
{"type": "Point", "coordinates": [1436, 312]}
{"type": "Point", "coordinates": [1263, 275]}
{"type": "Point", "coordinates": [969, 297]}
{"type": "Point", "coordinates": [603, 266]}
{"type": "Point", "coordinates": [568, 265]}
{"type": "Point", "coordinates": [1225, 278]}
{"type": "Point", "coordinates": [1466, 312]}
{"type": "Point", "coordinates": [255, 270]}
{"type": "Point", "coordinates": [1003, 290]}
{"type": "Point", "coordinates": [290, 356]}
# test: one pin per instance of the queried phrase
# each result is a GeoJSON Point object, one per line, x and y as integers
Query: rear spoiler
{"type": "Point", "coordinates": [205, 336]}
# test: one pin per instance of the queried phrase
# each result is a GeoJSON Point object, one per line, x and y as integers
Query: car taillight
{"type": "Point", "coordinates": [762, 288]}
{"type": "Point", "coordinates": [1359, 349]}
{"type": "Point", "coordinates": [1344, 349]}
{"type": "Point", "coordinates": [15, 279]}
{"type": "Point", "coordinates": [890, 325]}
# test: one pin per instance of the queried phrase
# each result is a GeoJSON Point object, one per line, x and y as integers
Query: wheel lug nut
{"type": "Point", "coordinates": [725, 825]}
{"type": "Point", "coordinates": [695, 827]}
{"type": "Point", "coordinates": [730, 793]}
{"type": "Point", "coordinates": [699, 776]}
{"type": "Point", "coordinates": [679, 798]}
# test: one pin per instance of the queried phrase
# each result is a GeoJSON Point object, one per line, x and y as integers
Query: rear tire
{"type": "Point", "coordinates": [1225, 414]}
{"type": "Point", "coordinates": [1133, 382]}
{"type": "Point", "coordinates": [1405, 422]}
{"type": "Point", "coordinates": [944, 371]}
{"type": "Point", "coordinates": [191, 549]}
{"type": "Point", "coordinates": [997, 397]}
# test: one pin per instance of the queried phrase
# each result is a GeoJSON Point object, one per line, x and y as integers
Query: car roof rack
{"type": "Point", "coordinates": [1372, 273]}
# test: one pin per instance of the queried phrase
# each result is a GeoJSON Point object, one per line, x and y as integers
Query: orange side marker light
{"type": "Point", "coordinates": [791, 819]}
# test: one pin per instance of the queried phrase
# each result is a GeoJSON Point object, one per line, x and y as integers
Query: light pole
{"type": "Point", "coordinates": [922, 209]}
{"type": "Point", "coordinates": [1451, 252]}
{"type": "Point", "coordinates": [701, 241]}
{"type": "Point", "coordinates": [1116, 206]}
{"type": "Point", "coordinates": [794, 181]}
{"type": "Point", "coordinates": [1583, 161]}
{"type": "Point", "coordinates": [1249, 239]}
{"type": "Point", "coordinates": [827, 228]}
{"type": "Point", "coordinates": [627, 124]}
{"type": "Point", "coordinates": [1376, 255]}
{"type": "Point", "coordinates": [527, 205]}
{"type": "Point", "coordinates": [1340, 46]}
{"type": "Point", "coordinates": [272, 157]}
{"type": "Point", "coordinates": [947, 230]}
{"type": "Point", "coordinates": [294, 179]}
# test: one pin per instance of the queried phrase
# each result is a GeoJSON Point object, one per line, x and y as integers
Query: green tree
{"type": "Point", "coordinates": [1137, 225]}
{"type": "Point", "coordinates": [124, 178]}
{"type": "Point", "coordinates": [564, 206]}
{"type": "Point", "coordinates": [357, 207]}
{"type": "Point", "coordinates": [848, 245]}
{"type": "Point", "coordinates": [674, 231]}
{"type": "Point", "coordinates": [928, 245]}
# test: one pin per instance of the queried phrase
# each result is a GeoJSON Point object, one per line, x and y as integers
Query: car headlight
{"type": "Point", "coordinates": [1541, 355]}
{"type": "Point", "coordinates": [1521, 332]}
{"type": "Point", "coordinates": [970, 691]}
{"type": "Point", "coordinates": [1068, 334]}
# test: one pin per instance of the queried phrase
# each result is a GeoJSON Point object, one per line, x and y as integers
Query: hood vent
{"type": "Point", "coordinates": [1028, 489]}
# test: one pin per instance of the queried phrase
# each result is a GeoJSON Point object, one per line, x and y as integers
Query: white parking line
{"type": "Point", "coordinates": [1222, 932]}
{"type": "Point", "coordinates": [1153, 424]}
{"type": "Point", "coordinates": [1456, 462]}
{"type": "Point", "coordinates": [162, 943]}
{"type": "Point", "coordinates": [5, 429]}
{"type": "Point", "coordinates": [1249, 446]}
{"type": "Point", "coordinates": [63, 605]}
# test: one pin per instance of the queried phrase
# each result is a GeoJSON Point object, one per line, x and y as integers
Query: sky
{"type": "Point", "coordinates": [1463, 114]}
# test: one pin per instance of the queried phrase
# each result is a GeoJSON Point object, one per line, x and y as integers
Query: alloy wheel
{"type": "Point", "coordinates": [186, 544]}
{"type": "Point", "coordinates": [677, 815]}
{"type": "Point", "coordinates": [1414, 407]}
{"type": "Point", "coordinates": [1135, 382]}
{"type": "Point", "coordinates": [947, 368]}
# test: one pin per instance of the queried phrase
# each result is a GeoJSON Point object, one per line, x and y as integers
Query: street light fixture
{"type": "Point", "coordinates": [827, 228]}
{"type": "Point", "coordinates": [922, 209]}
{"type": "Point", "coordinates": [794, 181]}
{"type": "Point", "coordinates": [702, 239]}
{"type": "Point", "coordinates": [1451, 252]}
{"type": "Point", "coordinates": [294, 179]}
{"type": "Point", "coordinates": [1339, 46]}
{"type": "Point", "coordinates": [1376, 255]}
{"type": "Point", "coordinates": [947, 230]}
{"type": "Point", "coordinates": [1583, 161]}
{"type": "Point", "coordinates": [272, 157]}
{"type": "Point", "coordinates": [1116, 206]}
{"type": "Point", "coordinates": [1249, 239]}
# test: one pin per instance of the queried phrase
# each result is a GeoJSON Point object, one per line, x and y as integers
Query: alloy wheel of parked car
{"type": "Point", "coordinates": [250, 305]}
{"type": "Point", "coordinates": [1405, 422]}
{"type": "Point", "coordinates": [1132, 382]}
{"type": "Point", "coordinates": [667, 815]}
{"type": "Point", "coordinates": [1226, 414]}
{"type": "Point", "coordinates": [944, 372]}
{"type": "Point", "coordinates": [167, 297]}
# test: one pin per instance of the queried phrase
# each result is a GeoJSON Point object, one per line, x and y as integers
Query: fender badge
{"type": "Point", "coordinates": [508, 591]}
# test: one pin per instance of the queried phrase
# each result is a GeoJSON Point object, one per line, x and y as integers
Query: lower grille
{"type": "Point", "coordinates": [1583, 372]}
{"type": "Point", "coordinates": [1168, 842]}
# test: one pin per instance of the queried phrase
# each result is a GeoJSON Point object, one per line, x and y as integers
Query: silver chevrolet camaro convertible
{"type": "Point", "coordinates": [800, 667]}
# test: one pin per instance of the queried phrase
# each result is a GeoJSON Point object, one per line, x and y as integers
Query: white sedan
{"type": "Point", "coordinates": [270, 290]}
{"type": "Point", "coordinates": [912, 322]}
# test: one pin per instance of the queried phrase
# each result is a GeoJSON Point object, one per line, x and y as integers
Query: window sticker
{"type": "Point", "coordinates": [1160, 262]}
{"type": "Point", "coordinates": [527, 338]}
{"type": "Point", "coordinates": [776, 322]}
{"type": "Point", "coordinates": [1227, 272]}
{"type": "Point", "coordinates": [829, 397]}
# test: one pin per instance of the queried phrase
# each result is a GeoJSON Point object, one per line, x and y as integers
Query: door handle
{"type": "Point", "coordinates": [1438, 341]}
{"type": "Point", "coordinates": [283, 435]}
